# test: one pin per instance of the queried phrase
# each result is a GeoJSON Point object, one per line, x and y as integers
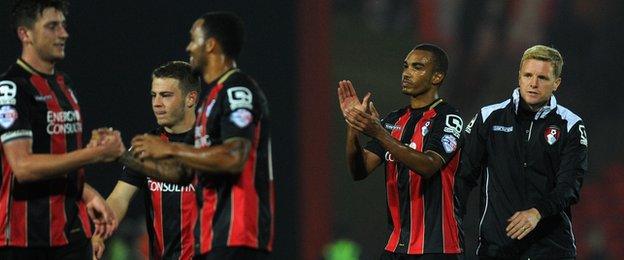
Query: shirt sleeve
{"type": "Point", "coordinates": [132, 177]}
{"type": "Point", "coordinates": [473, 156]}
{"type": "Point", "coordinates": [443, 138]}
{"type": "Point", "coordinates": [14, 111]}
{"type": "Point", "coordinates": [569, 178]}
{"type": "Point", "coordinates": [241, 112]}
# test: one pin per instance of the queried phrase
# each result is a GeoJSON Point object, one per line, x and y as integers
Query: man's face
{"type": "Point", "coordinates": [48, 35]}
{"type": "Point", "coordinates": [537, 81]}
{"type": "Point", "coordinates": [196, 46]}
{"type": "Point", "coordinates": [417, 73]}
{"type": "Point", "coordinates": [168, 103]}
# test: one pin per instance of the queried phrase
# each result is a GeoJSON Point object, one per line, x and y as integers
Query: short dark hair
{"type": "Point", "coordinates": [25, 12]}
{"type": "Point", "coordinates": [181, 71]}
{"type": "Point", "coordinates": [227, 29]}
{"type": "Point", "coordinates": [439, 55]}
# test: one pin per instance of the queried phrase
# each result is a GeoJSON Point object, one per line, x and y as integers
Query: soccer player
{"type": "Point", "coordinates": [171, 209]}
{"type": "Point", "coordinates": [44, 203]}
{"type": "Point", "coordinates": [532, 153]}
{"type": "Point", "coordinates": [418, 145]}
{"type": "Point", "coordinates": [232, 152]}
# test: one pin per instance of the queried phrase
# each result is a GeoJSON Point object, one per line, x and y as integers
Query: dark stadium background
{"type": "Point", "coordinates": [298, 50]}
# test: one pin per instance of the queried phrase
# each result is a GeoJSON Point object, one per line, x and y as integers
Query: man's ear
{"type": "Point", "coordinates": [191, 99]}
{"type": "Point", "coordinates": [24, 34]}
{"type": "Point", "coordinates": [437, 78]}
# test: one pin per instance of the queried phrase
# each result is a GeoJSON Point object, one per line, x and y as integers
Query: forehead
{"type": "Point", "coordinates": [420, 56]}
{"type": "Point", "coordinates": [196, 29]}
{"type": "Point", "coordinates": [165, 84]}
{"type": "Point", "coordinates": [50, 14]}
{"type": "Point", "coordinates": [538, 66]}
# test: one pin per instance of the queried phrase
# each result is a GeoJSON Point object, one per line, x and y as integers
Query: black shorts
{"type": "Point", "coordinates": [227, 253]}
{"type": "Point", "coordinates": [79, 250]}
{"type": "Point", "coordinates": [386, 255]}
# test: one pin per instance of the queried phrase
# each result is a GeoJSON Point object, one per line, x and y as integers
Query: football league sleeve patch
{"type": "Point", "coordinates": [14, 123]}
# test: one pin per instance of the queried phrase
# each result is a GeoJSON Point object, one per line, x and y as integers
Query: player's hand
{"type": "Point", "coordinates": [98, 136]}
{"type": "Point", "coordinates": [103, 217]}
{"type": "Point", "coordinates": [522, 223]}
{"type": "Point", "coordinates": [97, 243]}
{"type": "Point", "coordinates": [110, 145]}
{"type": "Point", "coordinates": [347, 97]}
{"type": "Point", "coordinates": [150, 147]}
{"type": "Point", "coordinates": [363, 122]}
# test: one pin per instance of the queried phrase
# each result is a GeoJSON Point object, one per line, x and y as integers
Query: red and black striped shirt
{"type": "Point", "coordinates": [43, 108]}
{"type": "Point", "coordinates": [236, 210]}
{"type": "Point", "coordinates": [422, 212]}
{"type": "Point", "coordinates": [171, 209]}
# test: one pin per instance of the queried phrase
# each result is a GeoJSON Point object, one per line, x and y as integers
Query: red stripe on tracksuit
{"type": "Point", "coordinates": [417, 200]}
{"type": "Point", "coordinates": [82, 207]}
{"type": "Point", "coordinates": [450, 230]}
{"type": "Point", "coordinates": [245, 202]}
{"type": "Point", "coordinates": [58, 145]}
{"type": "Point", "coordinates": [392, 188]}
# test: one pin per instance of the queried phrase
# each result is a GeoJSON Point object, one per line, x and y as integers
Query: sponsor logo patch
{"type": "Point", "coordinates": [454, 125]}
{"type": "Point", "coordinates": [240, 97]}
{"type": "Point", "coordinates": [449, 142]}
{"type": "Point", "coordinates": [392, 127]}
{"type": "Point", "coordinates": [8, 91]}
{"type": "Point", "coordinates": [583, 135]}
{"type": "Point", "coordinates": [8, 115]}
{"type": "Point", "coordinates": [241, 117]}
{"type": "Point", "coordinates": [552, 134]}
{"type": "Point", "coordinates": [500, 128]}
{"type": "Point", "coordinates": [469, 126]}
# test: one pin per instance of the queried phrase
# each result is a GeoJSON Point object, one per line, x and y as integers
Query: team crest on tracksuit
{"type": "Point", "coordinates": [552, 134]}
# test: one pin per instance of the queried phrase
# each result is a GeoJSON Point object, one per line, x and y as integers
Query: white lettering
{"type": "Point", "coordinates": [169, 187]}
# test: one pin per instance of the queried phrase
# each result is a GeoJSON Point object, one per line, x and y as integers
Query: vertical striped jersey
{"type": "Point", "coordinates": [422, 212]}
{"type": "Point", "coordinates": [236, 210]}
{"type": "Point", "coordinates": [171, 209]}
{"type": "Point", "coordinates": [44, 109]}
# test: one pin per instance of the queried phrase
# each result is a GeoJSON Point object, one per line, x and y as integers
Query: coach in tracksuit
{"type": "Point", "coordinates": [532, 156]}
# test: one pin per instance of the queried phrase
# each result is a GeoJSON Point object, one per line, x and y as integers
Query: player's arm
{"type": "Point", "coordinates": [569, 178]}
{"type": "Point", "coordinates": [28, 166]}
{"type": "Point", "coordinates": [473, 157]}
{"type": "Point", "coordinates": [162, 169]}
{"type": "Point", "coordinates": [361, 162]}
{"type": "Point", "coordinates": [120, 198]}
{"type": "Point", "coordinates": [426, 164]}
{"type": "Point", "coordinates": [168, 160]}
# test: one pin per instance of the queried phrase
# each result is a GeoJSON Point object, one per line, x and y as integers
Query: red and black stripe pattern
{"type": "Point", "coordinates": [51, 212]}
{"type": "Point", "coordinates": [421, 212]}
{"type": "Point", "coordinates": [171, 209]}
{"type": "Point", "coordinates": [236, 210]}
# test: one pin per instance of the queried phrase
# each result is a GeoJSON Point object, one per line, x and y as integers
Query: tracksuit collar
{"type": "Point", "coordinates": [542, 112]}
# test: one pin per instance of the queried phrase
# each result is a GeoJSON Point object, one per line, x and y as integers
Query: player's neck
{"type": "Point", "coordinates": [423, 100]}
{"type": "Point", "coordinates": [33, 60]}
{"type": "Point", "coordinates": [217, 66]}
{"type": "Point", "coordinates": [185, 125]}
